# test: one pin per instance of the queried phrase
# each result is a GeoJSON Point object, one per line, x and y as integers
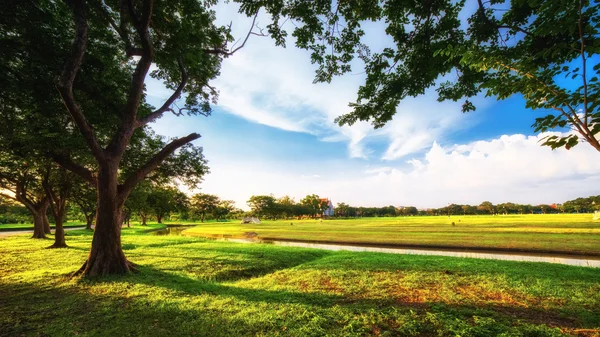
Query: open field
{"type": "Point", "coordinates": [190, 286]}
{"type": "Point", "coordinates": [563, 233]}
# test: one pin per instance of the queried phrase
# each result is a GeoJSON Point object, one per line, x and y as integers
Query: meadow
{"type": "Point", "coordinates": [193, 286]}
{"type": "Point", "coordinates": [558, 233]}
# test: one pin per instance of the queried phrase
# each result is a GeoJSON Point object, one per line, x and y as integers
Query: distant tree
{"type": "Point", "coordinates": [342, 209]}
{"type": "Point", "coordinates": [262, 205]}
{"type": "Point", "coordinates": [204, 204]}
{"type": "Point", "coordinates": [137, 203]}
{"type": "Point", "coordinates": [285, 206]}
{"type": "Point", "coordinates": [487, 207]}
{"type": "Point", "coordinates": [313, 202]}
{"type": "Point", "coordinates": [84, 196]}
{"type": "Point", "coordinates": [164, 200]}
{"type": "Point", "coordinates": [224, 208]}
{"type": "Point", "coordinates": [410, 210]}
{"type": "Point", "coordinates": [57, 184]}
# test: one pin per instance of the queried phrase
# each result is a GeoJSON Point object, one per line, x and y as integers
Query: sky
{"type": "Point", "coordinates": [273, 132]}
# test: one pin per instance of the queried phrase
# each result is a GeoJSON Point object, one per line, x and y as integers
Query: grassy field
{"type": "Point", "coordinates": [564, 233]}
{"type": "Point", "coordinates": [190, 286]}
{"type": "Point", "coordinates": [29, 226]}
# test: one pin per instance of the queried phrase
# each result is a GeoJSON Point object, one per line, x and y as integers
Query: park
{"type": "Point", "coordinates": [299, 168]}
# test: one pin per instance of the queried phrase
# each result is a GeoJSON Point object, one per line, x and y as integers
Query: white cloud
{"type": "Point", "coordinates": [509, 168]}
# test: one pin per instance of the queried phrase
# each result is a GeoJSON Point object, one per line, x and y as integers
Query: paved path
{"type": "Point", "coordinates": [29, 231]}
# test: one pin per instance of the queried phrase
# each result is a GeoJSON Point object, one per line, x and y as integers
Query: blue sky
{"type": "Point", "coordinates": [272, 132]}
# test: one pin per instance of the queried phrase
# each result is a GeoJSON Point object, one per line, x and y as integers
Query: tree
{"type": "Point", "coordinates": [203, 204]}
{"type": "Point", "coordinates": [262, 205]}
{"type": "Point", "coordinates": [138, 202]}
{"type": "Point", "coordinates": [120, 40]}
{"type": "Point", "coordinates": [84, 195]}
{"type": "Point", "coordinates": [488, 207]}
{"type": "Point", "coordinates": [224, 207]}
{"type": "Point", "coordinates": [23, 183]}
{"type": "Point", "coordinates": [164, 200]}
{"type": "Point", "coordinates": [503, 49]}
{"type": "Point", "coordinates": [285, 206]}
{"type": "Point", "coordinates": [342, 209]}
{"type": "Point", "coordinates": [314, 203]}
{"type": "Point", "coordinates": [57, 193]}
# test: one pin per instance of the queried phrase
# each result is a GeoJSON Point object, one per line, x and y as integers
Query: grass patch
{"type": "Point", "coordinates": [560, 233]}
{"type": "Point", "coordinates": [190, 286]}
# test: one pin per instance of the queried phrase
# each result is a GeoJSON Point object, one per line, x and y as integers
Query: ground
{"type": "Point", "coordinates": [564, 233]}
{"type": "Point", "coordinates": [192, 286]}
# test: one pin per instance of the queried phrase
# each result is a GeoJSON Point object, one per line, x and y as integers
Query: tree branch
{"type": "Point", "coordinates": [489, 22]}
{"type": "Point", "coordinates": [165, 107]}
{"type": "Point", "coordinates": [70, 165]}
{"type": "Point", "coordinates": [120, 139]}
{"type": "Point", "coordinates": [65, 82]}
{"type": "Point", "coordinates": [153, 163]}
{"type": "Point", "coordinates": [583, 68]}
{"type": "Point", "coordinates": [226, 53]}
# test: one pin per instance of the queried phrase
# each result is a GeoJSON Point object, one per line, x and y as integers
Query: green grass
{"type": "Point", "coordinates": [190, 286]}
{"type": "Point", "coordinates": [564, 233]}
{"type": "Point", "coordinates": [29, 226]}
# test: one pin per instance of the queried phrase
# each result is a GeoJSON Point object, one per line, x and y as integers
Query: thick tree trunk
{"type": "Point", "coordinates": [106, 256]}
{"type": "Point", "coordinates": [38, 211]}
{"type": "Point", "coordinates": [202, 218]}
{"type": "Point", "coordinates": [38, 226]}
{"type": "Point", "coordinates": [143, 216]}
{"type": "Point", "coordinates": [59, 235]}
{"type": "Point", "coordinates": [159, 218]}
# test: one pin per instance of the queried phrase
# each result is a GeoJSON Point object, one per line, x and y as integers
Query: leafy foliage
{"type": "Point", "coordinates": [525, 47]}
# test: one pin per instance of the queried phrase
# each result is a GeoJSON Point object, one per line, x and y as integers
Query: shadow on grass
{"type": "Point", "coordinates": [76, 311]}
{"type": "Point", "coordinates": [107, 308]}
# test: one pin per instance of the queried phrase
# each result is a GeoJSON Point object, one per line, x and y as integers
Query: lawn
{"type": "Point", "coordinates": [191, 286]}
{"type": "Point", "coordinates": [29, 226]}
{"type": "Point", "coordinates": [561, 233]}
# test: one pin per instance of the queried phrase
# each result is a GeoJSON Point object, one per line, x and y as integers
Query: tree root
{"type": "Point", "coordinates": [85, 272]}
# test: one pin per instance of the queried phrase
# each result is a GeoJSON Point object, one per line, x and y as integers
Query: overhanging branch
{"type": "Point", "coordinates": [70, 165]}
{"type": "Point", "coordinates": [153, 163]}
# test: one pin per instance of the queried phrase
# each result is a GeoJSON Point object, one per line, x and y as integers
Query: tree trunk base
{"type": "Point", "coordinates": [60, 245]}
{"type": "Point", "coordinates": [105, 269]}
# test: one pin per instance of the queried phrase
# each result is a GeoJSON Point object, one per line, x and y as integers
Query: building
{"type": "Point", "coordinates": [329, 211]}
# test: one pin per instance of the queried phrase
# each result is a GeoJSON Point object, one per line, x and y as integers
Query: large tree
{"type": "Point", "coordinates": [460, 49]}
{"type": "Point", "coordinates": [124, 38]}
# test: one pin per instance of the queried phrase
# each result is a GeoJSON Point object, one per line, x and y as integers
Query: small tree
{"type": "Point", "coordinates": [164, 200]}
{"type": "Point", "coordinates": [203, 204]}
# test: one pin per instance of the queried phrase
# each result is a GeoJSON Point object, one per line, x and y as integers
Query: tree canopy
{"type": "Point", "coordinates": [461, 49]}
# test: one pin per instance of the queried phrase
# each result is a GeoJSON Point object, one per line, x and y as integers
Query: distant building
{"type": "Point", "coordinates": [329, 211]}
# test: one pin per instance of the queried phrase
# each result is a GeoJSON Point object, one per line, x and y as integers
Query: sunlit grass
{"type": "Point", "coordinates": [567, 233]}
{"type": "Point", "coordinates": [190, 286]}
